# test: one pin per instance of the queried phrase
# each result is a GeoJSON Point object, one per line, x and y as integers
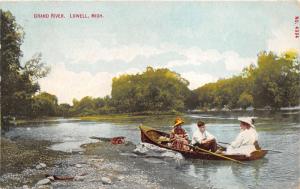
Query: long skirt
{"type": "Point", "coordinates": [181, 144]}
{"type": "Point", "coordinates": [245, 150]}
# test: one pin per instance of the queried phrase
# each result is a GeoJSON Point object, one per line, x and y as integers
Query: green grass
{"type": "Point", "coordinates": [103, 117]}
{"type": "Point", "coordinates": [110, 117]}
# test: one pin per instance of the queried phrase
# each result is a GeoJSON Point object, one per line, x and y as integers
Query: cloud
{"type": "Point", "coordinates": [91, 51]}
{"type": "Point", "coordinates": [196, 56]}
{"type": "Point", "coordinates": [283, 39]}
{"type": "Point", "coordinates": [193, 56]}
{"type": "Point", "coordinates": [233, 61]}
{"type": "Point", "coordinates": [177, 63]}
{"type": "Point", "coordinates": [197, 80]}
{"type": "Point", "coordinates": [67, 85]}
{"type": "Point", "coordinates": [129, 71]}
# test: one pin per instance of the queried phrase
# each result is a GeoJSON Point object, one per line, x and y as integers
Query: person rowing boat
{"type": "Point", "coordinates": [203, 139]}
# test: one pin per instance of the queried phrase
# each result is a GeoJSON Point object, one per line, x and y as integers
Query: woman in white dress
{"type": "Point", "coordinates": [246, 141]}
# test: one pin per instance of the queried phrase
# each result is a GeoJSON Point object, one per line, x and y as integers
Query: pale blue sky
{"type": "Point", "coordinates": [203, 41]}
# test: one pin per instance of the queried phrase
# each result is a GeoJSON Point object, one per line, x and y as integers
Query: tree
{"type": "Point", "coordinates": [18, 84]}
{"type": "Point", "coordinates": [64, 110]}
{"type": "Point", "coordinates": [273, 82]}
{"type": "Point", "coordinates": [152, 90]}
{"type": "Point", "coordinates": [245, 100]}
{"type": "Point", "coordinates": [35, 68]}
{"type": "Point", "coordinates": [104, 105]}
{"type": "Point", "coordinates": [276, 80]}
{"type": "Point", "coordinates": [44, 104]}
{"type": "Point", "coordinates": [206, 95]}
{"type": "Point", "coordinates": [86, 106]}
{"type": "Point", "coordinates": [91, 106]}
{"type": "Point", "coordinates": [223, 93]}
{"type": "Point", "coordinates": [11, 40]}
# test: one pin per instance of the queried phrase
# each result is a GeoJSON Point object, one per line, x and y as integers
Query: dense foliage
{"type": "Point", "coordinates": [153, 90]}
{"type": "Point", "coordinates": [225, 93]}
{"type": "Point", "coordinates": [92, 106]}
{"type": "Point", "coordinates": [45, 104]}
{"type": "Point", "coordinates": [18, 82]}
{"type": "Point", "coordinates": [274, 82]}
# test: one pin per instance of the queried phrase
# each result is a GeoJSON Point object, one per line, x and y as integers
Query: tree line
{"type": "Point", "coordinates": [153, 91]}
{"type": "Point", "coordinates": [274, 82]}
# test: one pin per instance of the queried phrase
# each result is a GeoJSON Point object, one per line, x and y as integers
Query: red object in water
{"type": "Point", "coordinates": [118, 140]}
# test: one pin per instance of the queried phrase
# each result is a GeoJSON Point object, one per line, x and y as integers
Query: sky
{"type": "Point", "coordinates": [202, 41]}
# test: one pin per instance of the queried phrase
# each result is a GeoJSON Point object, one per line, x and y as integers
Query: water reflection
{"type": "Point", "coordinates": [224, 174]}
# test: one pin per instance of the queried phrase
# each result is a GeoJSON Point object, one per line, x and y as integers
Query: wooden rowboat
{"type": "Point", "coordinates": [150, 135]}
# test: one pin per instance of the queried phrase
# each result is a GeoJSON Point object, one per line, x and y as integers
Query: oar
{"type": "Point", "coordinates": [215, 154]}
{"type": "Point", "coordinates": [223, 143]}
{"type": "Point", "coordinates": [271, 150]}
{"type": "Point", "coordinates": [277, 151]}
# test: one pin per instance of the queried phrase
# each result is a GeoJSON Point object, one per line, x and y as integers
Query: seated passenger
{"type": "Point", "coordinates": [203, 139]}
{"type": "Point", "coordinates": [179, 137]}
{"type": "Point", "coordinates": [246, 141]}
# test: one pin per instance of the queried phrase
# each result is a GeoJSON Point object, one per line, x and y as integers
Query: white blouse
{"type": "Point", "coordinates": [244, 143]}
{"type": "Point", "coordinates": [198, 136]}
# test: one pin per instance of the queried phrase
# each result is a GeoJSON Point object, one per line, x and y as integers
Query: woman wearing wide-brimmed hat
{"type": "Point", "coordinates": [246, 141]}
{"type": "Point", "coordinates": [178, 137]}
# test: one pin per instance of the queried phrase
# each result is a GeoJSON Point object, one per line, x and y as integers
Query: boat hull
{"type": "Point", "coordinates": [150, 135]}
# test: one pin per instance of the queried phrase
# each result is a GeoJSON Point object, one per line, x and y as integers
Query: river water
{"type": "Point", "coordinates": [278, 131]}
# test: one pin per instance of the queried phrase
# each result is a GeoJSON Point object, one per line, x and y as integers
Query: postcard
{"type": "Point", "coordinates": [159, 94]}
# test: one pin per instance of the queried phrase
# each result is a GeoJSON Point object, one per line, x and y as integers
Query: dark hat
{"type": "Point", "coordinates": [200, 123]}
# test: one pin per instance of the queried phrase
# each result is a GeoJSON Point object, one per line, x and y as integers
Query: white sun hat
{"type": "Point", "coordinates": [248, 120]}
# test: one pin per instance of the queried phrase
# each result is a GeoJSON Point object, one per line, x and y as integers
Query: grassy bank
{"type": "Point", "coordinates": [139, 115]}
{"type": "Point", "coordinates": [99, 117]}
{"type": "Point", "coordinates": [110, 117]}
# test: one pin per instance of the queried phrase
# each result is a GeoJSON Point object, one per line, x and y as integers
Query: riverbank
{"type": "Point", "coordinates": [125, 117]}
{"type": "Point", "coordinates": [20, 157]}
{"type": "Point", "coordinates": [146, 115]}
{"type": "Point", "coordinates": [101, 165]}
{"type": "Point", "coordinates": [19, 154]}
{"type": "Point", "coordinates": [113, 118]}
{"type": "Point", "coordinates": [100, 117]}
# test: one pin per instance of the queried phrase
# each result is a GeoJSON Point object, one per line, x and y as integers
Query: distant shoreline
{"type": "Point", "coordinates": [120, 116]}
{"type": "Point", "coordinates": [295, 108]}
